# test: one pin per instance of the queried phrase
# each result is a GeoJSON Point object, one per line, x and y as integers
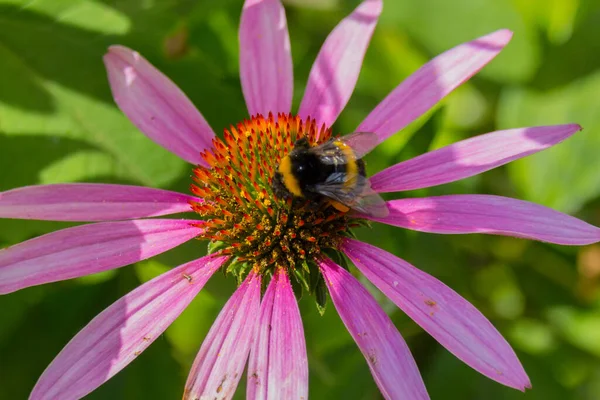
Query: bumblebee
{"type": "Point", "coordinates": [332, 172]}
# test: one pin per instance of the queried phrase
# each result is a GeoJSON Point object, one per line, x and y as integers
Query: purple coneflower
{"type": "Point", "coordinates": [267, 243]}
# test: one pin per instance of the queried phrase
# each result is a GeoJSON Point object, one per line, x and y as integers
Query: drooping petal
{"type": "Point", "coordinates": [121, 332]}
{"type": "Point", "coordinates": [497, 215]}
{"type": "Point", "coordinates": [90, 202]}
{"type": "Point", "coordinates": [431, 83]}
{"type": "Point", "coordinates": [278, 367]}
{"type": "Point", "coordinates": [469, 157]}
{"type": "Point", "coordinates": [87, 249]}
{"type": "Point", "coordinates": [386, 352]}
{"type": "Point", "coordinates": [335, 71]}
{"type": "Point", "coordinates": [156, 106]}
{"type": "Point", "coordinates": [219, 365]}
{"type": "Point", "coordinates": [445, 315]}
{"type": "Point", "coordinates": [265, 58]}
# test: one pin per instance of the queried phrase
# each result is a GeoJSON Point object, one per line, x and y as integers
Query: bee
{"type": "Point", "coordinates": [332, 172]}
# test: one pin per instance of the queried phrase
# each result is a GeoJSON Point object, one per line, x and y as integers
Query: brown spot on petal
{"type": "Point", "coordinates": [188, 277]}
{"type": "Point", "coordinates": [430, 302]}
{"type": "Point", "coordinates": [220, 388]}
{"type": "Point", "coordinates": [372, 358]}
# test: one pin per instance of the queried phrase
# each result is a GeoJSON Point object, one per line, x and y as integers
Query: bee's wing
{"type": "Point", "coordinates": [361, 142]}
{"type": "Point", "coordinates": [329, 154]}
{"type": "Point", "coordinates": [371, 203]}
{"type": "Point", "coordinates": [365, 201]}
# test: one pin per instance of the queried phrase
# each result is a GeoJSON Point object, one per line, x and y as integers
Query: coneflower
{"type": "Point", "coordinates": [269, 243]}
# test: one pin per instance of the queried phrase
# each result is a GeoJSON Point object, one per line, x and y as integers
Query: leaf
{"type": "Point", "coordinates": [533, 336]}
{"type": "Point", "coordinates": [59, 90]}
{"type": "Point", "coordinates": [435, 23]}
{"type": "Point", "coordinates": [557, 18]}
{"type": "Point", "coordinates": [580, 327]}
{"type": "Point", "coordinates": [566, 176]}
{"type": "Point", "coordinates": [54, 85]}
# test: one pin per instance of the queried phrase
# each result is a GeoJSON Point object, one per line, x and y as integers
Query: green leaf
{"type": "Point", "coordinates": [579, 327]}
{"type": "Point", "coordinates": [148, 270]}
{"type": "Point", "coordinates": [52, 64]}
{"type": "Point", "coordinates": [189, 329]}
{"type": "Point", "coordinates": [566, 176]}
{"type": "Point", "coordinates": [557, 18]}
{"type": "Point", "coordinates": [301, 279]}
{"type": "Point", "coordinates": [498, 284]}
{"type": "Point", "coordinates": [54, 88]}
{"type": "Point", "coordinates": [434, 23]}
{"type": "Point", "coordinates": [215, 245]}
{"type": "Point", "coordinates": [321, 295]}
{"type": "Point", "coordinates": [533, 336]}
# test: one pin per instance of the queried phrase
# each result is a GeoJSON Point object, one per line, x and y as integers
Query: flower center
{"type": "Point", "coordinates": [243, 217]}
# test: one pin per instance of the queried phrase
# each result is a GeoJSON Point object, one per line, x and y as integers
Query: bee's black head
{"type": "Point", "coordinates": [278, 187]}
{"type": "Point", "coordinates": [302, 144]}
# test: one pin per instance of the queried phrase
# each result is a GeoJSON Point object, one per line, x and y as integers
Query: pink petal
{"type": "Point", "coordinates": [489, 214]}
{"type": "Point", "coordinates": [431, 83]}
{"type": "Point", "coordinates": [90, 202]}
{"type": "Point", "coordinates": [219, 364]}
{"type": "Point", "coordinates": [335, 71]}
{"type": "Point", "coordinates": [469, 157]}
{"type": "Point", "coordinates": [449, 318]}
{"type": "Point", "coordinates": [156, 105]}
{"type": "Point", "coordinates": [265, 58]}
{"type": "Point", "coordinates": [87, 249]}
{"type": "Point", "coordinates": [387, 354]}
{"type": "Point", "coordinates": [121, 332]}
{"type": "Point", "coordinates": [278, 368]}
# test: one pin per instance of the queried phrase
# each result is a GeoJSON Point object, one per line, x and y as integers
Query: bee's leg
{"type": "Point", "coordinates": [339, 206]}
{"type": "Point", "coordinates": [314, 206]}
{"type": "Point", "coordinates": [299, 202]}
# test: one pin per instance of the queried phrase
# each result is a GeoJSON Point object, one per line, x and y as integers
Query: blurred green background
{"type": "Point", "coordinates": [58, 123]}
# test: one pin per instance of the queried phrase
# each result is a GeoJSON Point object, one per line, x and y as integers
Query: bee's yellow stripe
{"type": "Point", "coordinates": [351, 165]}
{"type": "Point", "coordinates": [289, 180]}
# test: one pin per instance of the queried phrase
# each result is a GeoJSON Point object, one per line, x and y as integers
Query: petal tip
{"type": "Point", "coordinates": [123, 52]}
{"type": "Point", "coordinates": [517, 379]}
{"type": "Point", "coordinates": [375, 6]}
{"type": "Point", "coordinates": [503, 36]}
{"type": "Point", "coordinates": [116, 52]}
{"type": "Point", "coordinates": [523, 387]}
{"type": "Point", "coordinates": [570, 128]}
{"type": "Point", "coordinates": [252, 3]}
{"type": "Point", "coordinates": [499, 38]}
{"type": "Point", "coordinates": [117, 48]}
{"type": "Point", "coordinates": [108, 58]}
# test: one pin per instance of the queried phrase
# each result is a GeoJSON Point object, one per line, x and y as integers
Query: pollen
{"type": "Point", "coordinates": [242, 217]}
